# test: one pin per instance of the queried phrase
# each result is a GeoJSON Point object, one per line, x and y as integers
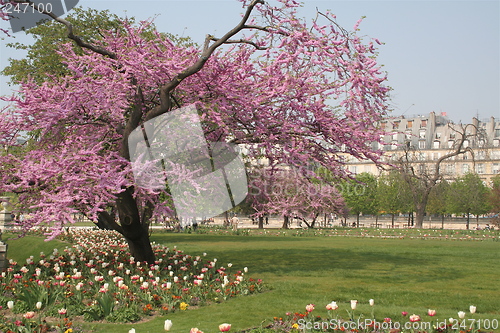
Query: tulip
{"type": "Point", "coordinates": [224, 327]}
{"type": "Point", "coordinates": [431, 313]}
{"type": "Point", "coordinates": [354, 303]}
{"type": "Point", "coordinates": [168, 325]}
{"type": "Point", "coordinates": [472, 309]}
{"type": "Point", "coordinates": [29, 315]}
{"type": "Point", "coordinates": [62, 311]}
{"type": "Point", "coordinates": [309, 307]}
{"type": "Point", "coordinates": [10, 304]}
{"type": "Point", "coordinates": [404, 313]}
{"type": "Point", "coordinates": [38, 305]}
{"type": "Point", "coordinates": [372, 302]}
{"type": "Point", "coordinates": [195, 330]}
{"type": "Point", "coordinates": [332, 306]}
{"type": "Point", "coordinates": [461, 314]}
{"type": "Point", "coordinates": [414, 318]}
{"type": "Point", "coordinates": [132, 330]}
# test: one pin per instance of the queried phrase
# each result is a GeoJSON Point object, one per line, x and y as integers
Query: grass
{"type": "Point", "coordinates": [410, 275]}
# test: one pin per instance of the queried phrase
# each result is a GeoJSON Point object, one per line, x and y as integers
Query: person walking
{"type": "Point", "coordinates": [234, 222]}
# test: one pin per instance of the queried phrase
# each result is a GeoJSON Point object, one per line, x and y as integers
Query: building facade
{"type": "Point", "coordinates": [432, 136]}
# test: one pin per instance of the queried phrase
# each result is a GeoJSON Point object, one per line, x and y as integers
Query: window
{"type": "Point", "coordinates": [480, 168]}
{"type": "Point", "coordinates": [383, 124]}
{"type": "Point", "coordinates": [395, 125]}
{"type": "Point", "coordinates": [466, 143]}
{"type": "Point", "coordinates": [451, 143]}
{"type": "Point", "coordinates": [421, 144]}
{"type": "Point", "coordinates": [481, 155]}
{"type": "Point", "coordinates": [450, 168]}
{"type": "Point", "coordinates": [497, 132]}
{"type": "Point", "coordinates": [496, 143]}
{"type": "Point", "coordinates": [438, 135]}
{"type": "Point", "coordinates": [421, 134]}
{"type": "Point", "coordinates": [354, 169]}
{"type": "Point", "coordinates": [423, 123]}
{"type": "Point", "coordinates": [435, 145]}
{"type": "Point", "coordinates": [495, 169]}
{"type": "Point", "coordinates": [465, 168]}
{"type": "Point", "coordinates": [409, 124]}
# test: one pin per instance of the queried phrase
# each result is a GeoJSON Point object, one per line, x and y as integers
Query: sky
{"type": "Point", "coordinates": [441, 56]}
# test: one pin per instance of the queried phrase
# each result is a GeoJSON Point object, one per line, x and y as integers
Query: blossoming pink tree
{"type": "Point", "coordinates": [297, 93]}
{"type": "Point", "coordinates": [294, 194]}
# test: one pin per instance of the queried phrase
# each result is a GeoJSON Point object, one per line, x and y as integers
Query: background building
{"type": "Point", "coordinates": [433, 136]}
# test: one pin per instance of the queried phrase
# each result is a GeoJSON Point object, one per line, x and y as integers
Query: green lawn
{"type": "Point", "coordinates": [400, 274]}
{"type": "Point", "coordinates": [410, 275]}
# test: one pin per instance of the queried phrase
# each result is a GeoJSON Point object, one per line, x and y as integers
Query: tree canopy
{"type": "Point", "coordinates": [294, 92]}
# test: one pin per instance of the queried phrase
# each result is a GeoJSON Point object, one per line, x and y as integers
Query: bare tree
{"type": "Point", "coordinates": [422, 174]}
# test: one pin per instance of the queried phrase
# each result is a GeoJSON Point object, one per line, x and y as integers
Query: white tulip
{"type": "Point", "coordinates": [168, 325]}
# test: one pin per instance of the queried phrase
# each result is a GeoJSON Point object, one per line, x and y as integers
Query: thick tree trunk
{"type": "Point", "coordinates": [419, 215]}
{"type": "Point", "coordinates": [286, 219]}
{"type": "Point", "coordinates": [133, 229]}
{"type": "Point", "coordinates": [140, 248]}
{"type": "Point", "coordinates": [261, 222]}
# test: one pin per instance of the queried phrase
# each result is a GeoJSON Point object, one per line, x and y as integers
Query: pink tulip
{"type": "Point", "coordinates": [414, 318]}
{"type": "Point", "coordinates": [431, 313]}
{"type": "Point", "coordinates": [332, 306]}
{"type": "Point", "coordinates": [224, 327]}
{"type": "Point", "coordinates": [309, 307]}
{"type": "Point", "coordinates": [404, 313]}
{"type": "Point", "coordinates": [29, 314]}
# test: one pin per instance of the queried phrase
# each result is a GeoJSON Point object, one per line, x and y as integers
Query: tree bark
{"type": "Point", "coordinates": [133, 229]}
{"type": "Point", "coordinates": [285, 222]}
{"type": "Point", "coordinates": [261, 222]}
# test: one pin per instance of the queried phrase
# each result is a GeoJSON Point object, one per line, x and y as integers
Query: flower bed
{"type": "Point", "coordinates": [95, 278]}
{"type": "Point", "coordinates": [356, 322]}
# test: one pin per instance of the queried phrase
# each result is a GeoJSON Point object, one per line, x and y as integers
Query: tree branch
{"type": "Point", "coordinates": [208, 50]}
{"type": "Point", "coordinates": [78, 40]}
{"type": "Point", "coordinates": [240, 41]}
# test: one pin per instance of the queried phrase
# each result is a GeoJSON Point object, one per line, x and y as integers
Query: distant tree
{"type": "Point", "coordinates": [393, 195]}
{"type": "Point", "coordinates": [422, 175]}
{"type": "Point", "coordinates": [292, 195]}
{"type": "Point", "coordinates": [360, 195]}
{"type": "Point", "coordinates": [468, 196]}
{"type": "Point", "coordinates": [438, 200]}
{"type": "Point", "coordinates": [494, 199]}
